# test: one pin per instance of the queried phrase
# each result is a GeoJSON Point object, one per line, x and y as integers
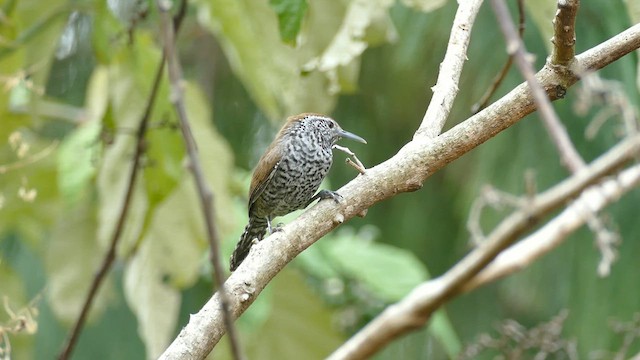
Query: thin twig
{"type": "Point", "coordinates": [558, 133]}
{"type": "Point", "coordinates": [206, 196]}
{"type": "Point", "coordinates": [497, 80]}
{"type": "Point", "coordinates": [562, 56]}
{"type": "Point", "coordinates": [564, 33]}
{"type": "Point", "coordinates": [489, 197]}
{"type": "Point", "coordinates": [356, 163]}
{"type": "Point", "coordinates": [107, 261]}
{"type": "Point", "coordinates": [446, 87]}
{"type": "Point", "coordinates": [356, 166]}
{"type": "Point", "coordinates": [552, 234]}
{"type": "Point", "coordinates": [29, 159]}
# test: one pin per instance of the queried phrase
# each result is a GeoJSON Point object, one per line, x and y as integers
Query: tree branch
{"type": "Point", "coordinates": [497, 80]}
{"type": "Point", "coordinates": [558, 133]}
{"type": "Point", "coordinates": [446, 87]}
{"type": "Point", "coordinates": [405, 171]}
{"type": "Point", "coordinates": [206, 196]}
{"type": "Point", "coordinates": [564, 32]}
{"type": "Point", "coordinates": [416, 308]}
{"type": "Point", "coordinates": [552, 234]}
{"type": "Point", "coordinates": [562, 57]}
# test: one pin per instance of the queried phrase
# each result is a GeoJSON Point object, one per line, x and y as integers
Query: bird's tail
{"type": "Point", "coordinates": [255, 230]}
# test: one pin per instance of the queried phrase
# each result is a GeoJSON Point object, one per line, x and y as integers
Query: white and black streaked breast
{"type": "Point", "coordinates": [306, 159]}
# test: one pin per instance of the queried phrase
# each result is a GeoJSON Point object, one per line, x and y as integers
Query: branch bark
{"type": "Point", "coordinates": [404, 172]}
{"type": "Point", "coordinates": [555, 231]}
{"type": "Point", "coordinates": [556, 130]}
{"type": "Point", "coordinates": [446, 87]}
{"type": "Point", "coordinates": [564, 29]}
{"type": "Point", "coordinates": [415, 309]}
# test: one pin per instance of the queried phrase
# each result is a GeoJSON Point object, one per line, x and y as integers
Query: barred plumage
{"type": "Point", "coordinates": [288, 174]}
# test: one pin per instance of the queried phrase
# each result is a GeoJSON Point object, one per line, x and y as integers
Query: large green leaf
{"type": "Point", "coordinates": [169, 258]}
{"type": "Point", "coordinates": [112, 183]}
{"type": "Point", "coordinates": [396, 271]}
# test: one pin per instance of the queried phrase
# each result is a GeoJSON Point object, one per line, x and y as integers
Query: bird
{"type": "Point", "coordinates": [288, 175]}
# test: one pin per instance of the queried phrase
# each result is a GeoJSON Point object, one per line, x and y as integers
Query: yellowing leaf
{"type": "Point", "coordinates": [154, 303]}
{"type": "Point", "coordinates": [112, 183]}
{"type": "Point", "coordinates": [215, 156]}
{"type": "Point", "coordinates": [168, 259]}
{"type": "Point", "coordinates": [352, 38]}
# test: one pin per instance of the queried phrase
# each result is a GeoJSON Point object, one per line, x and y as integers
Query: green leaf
{"type": "Point", "coordinates": [106, 28]}
{"type": "Point", "coordinates": [633, 8]}
{"type": "Point", "coordinates": [164, 163]}
{"type": "Point", "coordinates": [130, 78]}
{"type": "Point", "coordinates": [270, 69]}
{"type": "Point", "coordinates": [442, 329]}
{"type": "Point", "coordinates": [387, 271]}
{"type": "Point", "coordinates": [76, 158]}
{"type": "Point", "coordinates": [394, 273]}
{"type": "Point", "coordinates": [314, 262]}
{"type": "Point", "coordinates": [290, 15]}
{"type": "Point", "coordinates": [79, 151]}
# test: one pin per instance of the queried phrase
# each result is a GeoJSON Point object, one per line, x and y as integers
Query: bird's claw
{"type": "Point", "coordinates": [279, 227]}
{"type": "Point", "coordinates": [328, 194]}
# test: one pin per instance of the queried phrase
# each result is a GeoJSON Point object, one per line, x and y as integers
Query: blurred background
{"type": "Point", "coordinates": [76, 77]}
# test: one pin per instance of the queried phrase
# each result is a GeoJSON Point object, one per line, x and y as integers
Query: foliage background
{"type": "Point", "coordinates": [76, 76]}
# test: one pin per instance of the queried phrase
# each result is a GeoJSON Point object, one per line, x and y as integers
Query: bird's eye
{"type": "Point", "coordinates": [331, 124]}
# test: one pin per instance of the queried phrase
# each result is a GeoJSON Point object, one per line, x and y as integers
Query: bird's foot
{"type": "Point", "coordinates": [324, 195]}
{"type": "Point", "coordinates": [279, 227]}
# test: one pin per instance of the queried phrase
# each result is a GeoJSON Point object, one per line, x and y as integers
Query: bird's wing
{"type": "Point", "coordinates": [264, 172]}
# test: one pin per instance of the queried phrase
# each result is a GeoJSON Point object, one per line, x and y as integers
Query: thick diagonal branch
{"type": "Point", "coordinates": [552, 234]}
{"type": "Point", "coordinates": [405, 171]}
{"type": "Point", "coordinates": [416, 308]}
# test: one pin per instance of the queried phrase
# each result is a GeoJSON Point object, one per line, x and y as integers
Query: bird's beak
{"type": "Point", "coordinates": [348, 135]}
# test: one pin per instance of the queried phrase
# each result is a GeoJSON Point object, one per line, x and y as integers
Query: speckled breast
{"type": "Point", "coordinates": [297, 179]}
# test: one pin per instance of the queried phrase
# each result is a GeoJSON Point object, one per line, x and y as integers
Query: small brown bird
{"type": "Point", "coordinates": [289, 173]}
